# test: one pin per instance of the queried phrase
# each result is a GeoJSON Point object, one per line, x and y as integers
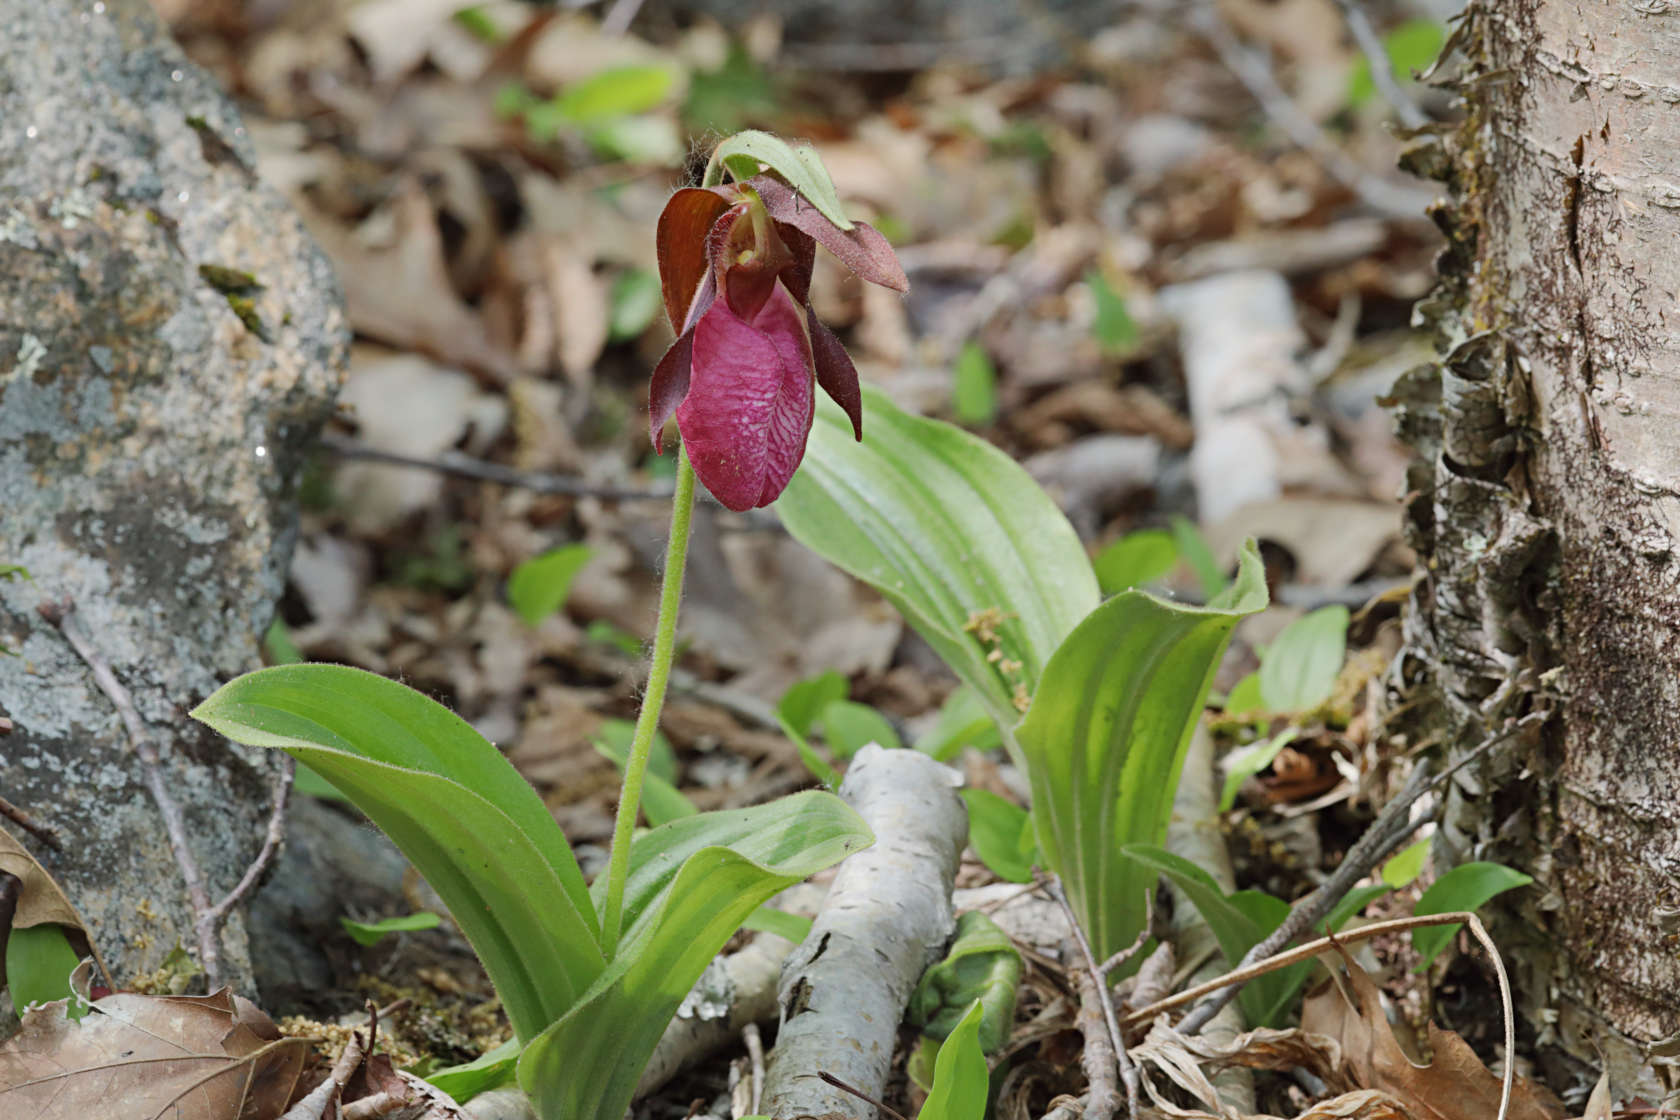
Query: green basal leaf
{"type": "Point", "coordinates": [1466, 887]}
{"type": "Point", "coordinates": [635, 302]}
{"type": "Point", "coordinates": [1194, 550]}
{"type": "Point", "coordinates": [800, 167]}
{"type": "Point", "coordinates": [489, 1070]}
{"type": "Point", "coordinates": [974, 387]}
{"type": "Point", "coordinates": [39, 961]}
{"type": "Point", "coordinates": [1238, 924]}
{"type": "Point", "coordinates": [954, 534]}
{"type": "Point", "coordinates": [802, 704]}
{"type": "Point", "coordinates": [1135, 560]}
{"type": "Point", "coordinates": [961, 1081]}
{"type": "Point", "coordinates": [814, 762]}
{"type": "Point", "coordinates": [454, 806]}
{"type": "Point", "coordinates": [1406, 864]}
{"type": "Point", "coordinates": [372, 933]}
{"type": "Point", "coordinates": [1353, 902]}
{"type": "Point", "coordinates": [1249, 761]}
{"type": "Point", "coordinates": [963, 722]}
{"type": "Point", "coordinates": [982, 964]}
{"type": "Point", "coordinates": [682, 904]}
{"type": "Point", "coordinates": [848, 727]}
{"type": "Point", "coordinates": [539, 586]}
{"type": "Point", "coordinates": [1000, 832]}
{"type": "Point", "coordinates": [768, 919]}
{"type": "Point", "coordinates": [278, 647]}
{"type": "Point", "coordinates": [1105, 739]}
{"type": "Point", "coordinates": [1244, 697]}
{"type": "Point", "coordinates": [621, 91]}
{"type": "Point", "coordinates": [1300, 667]}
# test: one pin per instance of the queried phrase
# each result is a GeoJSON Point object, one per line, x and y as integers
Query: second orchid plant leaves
{"type": "Point", "coordinates": [982, 563]}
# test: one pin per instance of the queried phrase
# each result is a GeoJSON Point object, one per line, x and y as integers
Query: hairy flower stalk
{"type": "Point", "coordinates": [735, 266]}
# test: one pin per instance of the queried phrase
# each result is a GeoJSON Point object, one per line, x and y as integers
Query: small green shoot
{"type": "Point", "coordinates": [1135, 560]}
{"type": "Point", "coordinates": [974, 397]}
{"type": "Point", "coordinates": [538, 587]}
{"type": "Point", "coordinates": [1406, 865]}
{"type": "Point", "coordinates": [1113, 327]}
{"type": "Point", "coordinates": [367, 934]}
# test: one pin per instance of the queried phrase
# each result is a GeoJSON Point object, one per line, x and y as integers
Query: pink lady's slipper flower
{"type": "Point", "coordinates": [735, 266]}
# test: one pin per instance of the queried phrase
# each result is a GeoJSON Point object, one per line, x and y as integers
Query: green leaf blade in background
{"type": "Point", "coordinates": [1466, 887]}
{"type": "Point", "coordinates": [452, 804]}
{"type": "Point", "coordinates": [585, 1067]}
{"type": "Point", "coordinates": [963, 722]}
{"type": "Point", "coordinates": [946, 527]}
{"type": "Point", "coordinates": [539, 586]}
{"type": "Point", "coordinates": [1135, 559]}
{"type": "Point", "coordinates": [998, 831]}
{"type": "Point", "coordinates": [849, 726]}
{"type": "Point", "coordinates": [372, 933]}
{"type": "Point", "coordinates": [1299, 670]}
{"type": "Point", "coordinates": [1105, 739]}
{"type": "Point", "coordinates": [974, 387]}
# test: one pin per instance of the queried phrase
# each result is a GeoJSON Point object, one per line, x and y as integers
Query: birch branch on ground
{"type": "Point", "coordinates": [887, 917]}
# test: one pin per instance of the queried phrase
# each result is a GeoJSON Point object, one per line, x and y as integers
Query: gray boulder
{"type": "Point", "coordinates": [170, 342]}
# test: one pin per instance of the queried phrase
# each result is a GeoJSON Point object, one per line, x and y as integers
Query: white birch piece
{"type": "Point", "coordinates": [887, 917]}
{"type": "Point", "coordinates": [1240, 342]}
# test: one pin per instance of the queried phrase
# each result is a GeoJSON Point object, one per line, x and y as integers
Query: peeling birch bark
{"type": "Point", "coordinates": [1545, 509]}
{"type": "Point", "coordinates": [888, 916]}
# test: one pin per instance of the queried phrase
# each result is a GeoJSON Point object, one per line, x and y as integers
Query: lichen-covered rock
{"type": "Point", "coordinates": [170, 341]}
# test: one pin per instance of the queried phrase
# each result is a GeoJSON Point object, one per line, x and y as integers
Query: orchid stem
{"type": "Point", "coordinates": [647, 723]}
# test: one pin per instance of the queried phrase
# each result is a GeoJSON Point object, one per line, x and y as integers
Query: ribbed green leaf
{"type": "Point", "coordinates": [454, 806]}
{"type": "Point", "coordinates": [952, 531]}
{"type": "Point", "coordinates": [681, 905]}
{"type": "Point", "coordinates": [961, 1081]}
{"type": "Point", "coordinates": [1105, 739]}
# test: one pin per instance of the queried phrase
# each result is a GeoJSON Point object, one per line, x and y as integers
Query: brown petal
{"type": "Point", "coordinates": [669, 386]}
{"type": "Point", "coordinates": [681, 244]}
{"type": "Point", "coordinates": [835, 371]}
{"type": "Point", "coordinates": [861, 248]}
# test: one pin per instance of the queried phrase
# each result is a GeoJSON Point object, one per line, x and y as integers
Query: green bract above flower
{"type": "Point", "coordinates": [740, 378]}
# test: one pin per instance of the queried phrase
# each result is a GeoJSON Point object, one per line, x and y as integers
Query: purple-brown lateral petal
{"type": "Point", "coordinates": [750, 403]}
{"type": "Point", "coordinates": [669, 386]}
{"type": "Point", "coordinates": [835, 372]}
{"type": "Point", "coordinates": [681, 247]}
{"type": "Point", "coordinates": [861, 248]}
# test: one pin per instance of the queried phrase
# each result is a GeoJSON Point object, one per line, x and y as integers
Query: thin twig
{"type": "Point", "coordinates": [1095, 986]}
{"type": "Point", "coordinates": [465, 466]}
{"type": "Point", "coordinates": [1387, 832]}
{"type": "Point", "coordinates": [41, 832]}
{"type": "Point", "coordinates": [1288, 957]}
{"type": "Point", "coordinates": [1382, 68]}
{"type": "Point", "coordinates": [861, 1095]}
{"type": "Point", "coordinates": [1254, 71]}
{"type": "Point", "coordinates": [210, 922]}
{"type": "Point", "coordinates": [755, 1054]}
{"type": "Point", "coordinates": [62, 615]}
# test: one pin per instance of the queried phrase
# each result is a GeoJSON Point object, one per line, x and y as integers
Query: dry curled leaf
{"type": "Point", "coordinates": [139, 1057]}
{"type": "Point", "coordinates": [1455, 1086]}
{"type": "Point", "coordinates": [40, 902]}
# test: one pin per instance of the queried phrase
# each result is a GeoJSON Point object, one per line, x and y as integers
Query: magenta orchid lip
{"type": "Point", "coordinates": [741, 377]}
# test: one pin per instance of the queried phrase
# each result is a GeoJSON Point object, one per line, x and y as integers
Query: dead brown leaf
{"type": "Point", "coordinates": [1455, 1086]}
{"type": "Point", "coordinates": [399, 292]}
{"type": "Point", "coordinates": [139, 1057]}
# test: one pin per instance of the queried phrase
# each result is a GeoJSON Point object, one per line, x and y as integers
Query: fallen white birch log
{"type": "Point", "coordinates": [887, 917]}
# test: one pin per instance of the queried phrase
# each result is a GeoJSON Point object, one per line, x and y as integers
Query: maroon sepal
{"type": "Point", "coordinates": [669, 386]}
{"type": "Point", "coordinates": [835, 371]}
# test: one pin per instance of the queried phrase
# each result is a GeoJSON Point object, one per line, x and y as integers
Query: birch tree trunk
{"type": "Point", "coordinates": [1545, 506]}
